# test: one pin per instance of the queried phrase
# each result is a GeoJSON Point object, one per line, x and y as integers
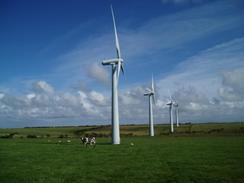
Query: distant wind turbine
{"type": "Point", "coordinates": [117, 66]}
{"type": "Point", "coordinates": [176, 105]}
{"type": "Point", "coordinates": [151, 95]}
{"type": "Point", "coordinates": [170, 104]}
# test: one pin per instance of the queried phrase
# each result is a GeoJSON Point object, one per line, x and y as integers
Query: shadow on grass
{"type": "Point", "coordinates": [103, 143]}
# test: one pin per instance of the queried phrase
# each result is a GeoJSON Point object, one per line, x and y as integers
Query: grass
{"type": "Point", "coordinates": [194, 158]}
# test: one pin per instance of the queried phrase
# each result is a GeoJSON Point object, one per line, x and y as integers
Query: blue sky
{"type": "Point", "coordinates": [51, 53]}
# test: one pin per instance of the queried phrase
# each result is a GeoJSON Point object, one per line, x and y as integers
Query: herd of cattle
{"type": "Point", "coordinates": [86, 141]}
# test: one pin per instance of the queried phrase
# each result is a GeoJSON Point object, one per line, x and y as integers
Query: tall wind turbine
{"type": "Point", "coordinates": [151, 95]}
{"type": "Point", "coordinates": [176, 105]}
{"type": "Point", "coordinates": [170, 104]}
{"type": "Point", "coordinates": [117, 66]}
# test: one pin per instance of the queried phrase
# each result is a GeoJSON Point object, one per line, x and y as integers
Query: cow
{"type": "Point", "coordinates": [88, 141]}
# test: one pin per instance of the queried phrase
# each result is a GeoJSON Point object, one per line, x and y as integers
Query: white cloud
{"type": "Point", "coordinates": [44, 103]}
{"type": "Point", "coordinates": [204, 70]}
{"type": "Point", "coordinates": [99, 73]}
{"type": "Point", "coordinates": [1, 95]}
{"type": "Point", "coordinates": [31, 96]}
{"type": "Point", "coordinates": [232, 89]}
{"type": "Point", "coordinates": [42, 86]}
{"type": "Point", "coordinates": [97, 97]}
{"type": "Point", "coordinates": [209, 85]}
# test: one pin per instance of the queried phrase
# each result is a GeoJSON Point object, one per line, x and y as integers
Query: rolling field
{"type": "Point", "coordinates": [128, 130]}
{"type": "Point", "coordinates": [196, 153]}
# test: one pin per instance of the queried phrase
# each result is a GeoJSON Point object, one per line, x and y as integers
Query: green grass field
{"type": "Point", "coordinates": [196, 153]}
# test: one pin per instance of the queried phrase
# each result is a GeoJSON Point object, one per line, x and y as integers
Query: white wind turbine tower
{"type": "Point", "coordinates": [170, 104]}
{"type": "Point", "coordinates": [151, 95]}
{"type": "Point", "coordinates": [176, 105]}
{"type": "Point", "coordinates": [117, 65]}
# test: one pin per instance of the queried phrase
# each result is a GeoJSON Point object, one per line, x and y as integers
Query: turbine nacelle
{"type": "Point", "coordinates": [146, 94]}
{"type": "Point", "coordinates": [113, 61]}
{"type": "Point", "coordinates": [151, 92]}
{"type": "Point", "coordinates": [170, 103]}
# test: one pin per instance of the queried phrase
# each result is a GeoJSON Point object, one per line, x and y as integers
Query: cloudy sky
{"type": "Point", "coordinates": [51, 53]}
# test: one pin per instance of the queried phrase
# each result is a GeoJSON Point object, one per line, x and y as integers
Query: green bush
{"type": "Point", "coordinates": [61, 136]}
{"type": "Point", "coordinates": [32, 136]}
{"type": "Point", "coordinates": [8, 136]}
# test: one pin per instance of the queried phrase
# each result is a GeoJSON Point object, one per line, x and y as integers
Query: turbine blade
{"type": "Point", "coordinates": [153, 91]}
{"type": "Point", "coordinates": [154, 99]}
{"type": "Point", "coordinates": [175, 101]}
{"type": "Point", "coordinates": [122, 68]}
{"type": "Point", "coordinates": [148, 90]}
{"type": "Point", "coordinates": [116, 35]}
{"type": "Point", "coordinates": [152, 84]}
{"type": "Point", "coordinates": [170, 95]}
{"type": "Point", "coordinates": [119, 68]}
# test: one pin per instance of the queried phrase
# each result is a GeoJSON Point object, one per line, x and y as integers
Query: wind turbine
{"type": "Point", "coordinates": [170, 104]}
{"type": "Point", "coordinates": [151, 95]}
{"type": "Point", "coordinates": [117, 66]}
{"type": "Point", "coordinates": [176, 105]}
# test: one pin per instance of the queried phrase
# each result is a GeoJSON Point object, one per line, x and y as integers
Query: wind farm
{"type": "Point", "coordinates": [122, 91]}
